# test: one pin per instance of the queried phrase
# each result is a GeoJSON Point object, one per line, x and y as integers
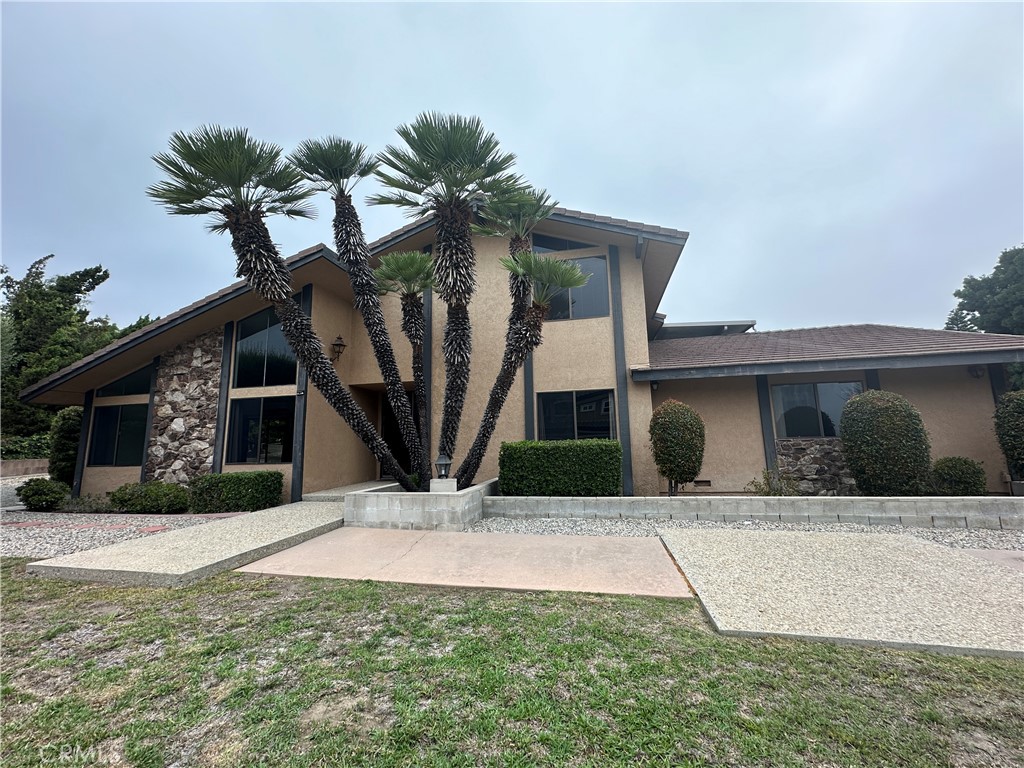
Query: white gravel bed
{"type": "Point", "coordinates": [959, 538]}
{"type": "Point", "coordinates": [60, 536]}
{"type": "Point", "coordinates": [8, 494]}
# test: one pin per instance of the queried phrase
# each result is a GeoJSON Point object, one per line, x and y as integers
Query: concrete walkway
{"type": "Point", "coordinates": [859, 588]}
{"type": "Point", "coordinates": [603, 564]}
{"type": "Point", "coordinates": [179, 557]}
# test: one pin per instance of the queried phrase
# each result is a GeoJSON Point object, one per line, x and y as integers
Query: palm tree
{"type": "Point", "coordinates": [409, 274]}
{"type": "Point", "coordinates": [336, 165]}
{"type": "Point", "coordinates": [239, 181]}
{"type": "Point", "coordinates": [448, 164]}
{"type": "Point", "coordinates": [549, 277]}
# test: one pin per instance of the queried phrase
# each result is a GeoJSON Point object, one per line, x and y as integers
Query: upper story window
{"type": "Point", "coordinates": [811, 410]}
{"type": "Point", "coordinates": [589, 301]}
{"type": "Point", "coordinates": [547, 244]}
{"type": "Point", "coordinates": [136, 383]}
{"type": "Point", "coordinates": [262, 356]}
{"type": "Point", "coordinates": [576, 415]}
{"type": "Point", "coordinates": [118, 435]}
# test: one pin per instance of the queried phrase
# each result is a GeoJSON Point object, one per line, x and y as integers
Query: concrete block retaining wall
{"type": "Point", "coordinates": [18, 467]}
{"type": "Point", "coordinates": [390, 507]}
{"type": "Point", "coordinates": [939, 512]}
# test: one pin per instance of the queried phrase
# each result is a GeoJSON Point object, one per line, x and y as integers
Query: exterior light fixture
{"type": "Point", "coordinates": [654, 385]}
{"type": "Point", "coordinates": [976, 371]}
{"type": "Point", "coordinates": [443, 464]}
{"type": "Point", "coordinates": [337, 347]}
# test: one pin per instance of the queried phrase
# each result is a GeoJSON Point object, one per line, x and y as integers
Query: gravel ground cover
{"type": "Point", "coordinates": [961, 538]}
{"type": "Point", "coordinates": [8, 495]}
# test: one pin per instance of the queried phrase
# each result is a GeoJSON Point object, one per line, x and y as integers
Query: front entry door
{"type": "Point", "coordinates": [393, 435]}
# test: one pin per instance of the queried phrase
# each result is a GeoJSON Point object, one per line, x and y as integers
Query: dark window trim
{"type": "Point", "coordinates": [612, 421]}
{"type": "Point", "coordinates": [83, 444]}
{"type": "Point", "coordinates": [152, 364]}
{"type": "Point", "coordinates": [817, 404]}
{"type": "Point", "coordinates": [149, 417]}
{"type": "Point", "coordinates": [117, 434]}
{"type": "Point", "coordinates": [230, 426]}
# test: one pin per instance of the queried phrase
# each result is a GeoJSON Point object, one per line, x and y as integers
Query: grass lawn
{"type": "Point", "coordinates": [260, 671]}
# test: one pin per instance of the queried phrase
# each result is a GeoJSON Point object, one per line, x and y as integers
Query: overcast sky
{"type": "Point", "coordinates": [833, 164]}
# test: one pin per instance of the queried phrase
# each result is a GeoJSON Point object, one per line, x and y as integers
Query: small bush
{"type": "Point", "coordinates": [65, 430]}
{"type": "Point", "coordinates": [42, 495]}
{"type": "Point", "coordinates": [772, 483]}
{"type": "Point", "coordinates": [677, 442]}
{"type": "Point", "coordinates": [885, 445]}
{"type": "Point", "coordinates": [1010, 430]}
{"type": "Point", "coordinates": [958, 476]}
{"type": "Point", "coordinates": [152, 498]}
{"type": "Point", "coordinates": [34, 447]}
{"type": "Point", "coordinates": [236, 492]}
{"type": "Point", "coordinates": [560, 468]}
{"type": "Point", "coordinates": [88, 504]}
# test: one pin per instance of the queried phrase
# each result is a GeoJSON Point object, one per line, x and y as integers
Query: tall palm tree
{"type": "Point", "coordinates": [336, 165]}
{"type": "Point", "coordinates": [239, 181]}
{"type": "Point", "coordinates": [448, 164]}
{"type": "Point", "coordinates": [549, 277]}
{"type": "Point", "coordinates": [409, 274]}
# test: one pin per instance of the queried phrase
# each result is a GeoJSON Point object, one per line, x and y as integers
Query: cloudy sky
{"type": "Point", "coordinates": [833, 163]}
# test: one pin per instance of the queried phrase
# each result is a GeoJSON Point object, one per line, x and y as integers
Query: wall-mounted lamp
{"type": "Point", "coordinates": [337, 347]}
{"type": "Point", "coordinates": [976, 371]}
{"type": "Point", "coordinates": [654, 386]}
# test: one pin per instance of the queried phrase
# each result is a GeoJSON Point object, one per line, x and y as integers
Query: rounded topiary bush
{"type": "Point", "coordinates": [42, 495]}
{"type": "Point", "coordinates": [64, 434]}
{"type": "Point", "coordinates": [677, 441]}
{"type": "Point", "coordinates": [885, 444]}
{"type": "Point", "coordinates": [958, 476]}
{"type": "Point", "coordinates": [1010, 430]}
{"type": "Point", "coordinates": [153, 498]}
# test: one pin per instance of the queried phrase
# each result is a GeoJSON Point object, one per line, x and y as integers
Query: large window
{"type": "Point", "coordinates": [133, 384]}
{"type": "Point", "coordinates": [811, 410]}
{"type": "Point", "coordinates": [576, 415]}
{"type": "Point", "coordinates": [260, 430]}
{"type": "Point", "coordinates": [118, 435]}
{"type": "Point", "coordinates": [262, 356]}
{"type": "Point", "coordinates": [589, 301]}
{"type": "Point", "coordinates": [548, 244]}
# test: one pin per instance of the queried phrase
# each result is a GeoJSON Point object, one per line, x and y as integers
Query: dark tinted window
{"type": "Point", "coordinates": [546, 244]}
{"type": "Point", "coordinates": [811, 410]}
{"type": "Point", "coordinates": [262, 356]}
{"type": "Point", "coordinates": [133, 384]}
{"type": "Point", "coordinates": [556, 419]}
{"type": "Point", "coordinates": [576, 415]}
{"type": "Point", "coordinates": [594, 415]}
{"type": "Point", "coordinates": [589, 301]}
{"type": "Point", "coordinates": [261, 430]}
{"type": "Point", "coordinates": [118, 436]}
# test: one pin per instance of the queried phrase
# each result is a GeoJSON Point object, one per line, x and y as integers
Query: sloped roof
{"type": "Point", "coordinates": [824, 349]}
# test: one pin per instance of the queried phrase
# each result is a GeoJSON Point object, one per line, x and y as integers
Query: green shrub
{"type": "Point", "coordinates": [1010, 430]}
{"type": "Point", "coordinates": [35, 447]}
{"type": "Point", "coordinates": [677, 442]}
{"type": "Point", "coordinates": [88, 504]}
{"type": "Point", "coordinates": [958, 476]}
{"type": "Point", "coordinates": [236, 492]}
{"type": "Point", "coordinates": [152, 498]}
{"type": "Point", "coordinates": [772, 483]}
{"type": "Point", "coordinates": [65, 430]}
{"type": "Point", "coordinates": [560, 468]}
{"type": "Point", "coordinates": [42, 495]}
{"type": "Point", "coordinates": [885, 445]}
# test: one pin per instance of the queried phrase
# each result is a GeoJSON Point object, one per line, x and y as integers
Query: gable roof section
{"type": "Point", "coordinates": [839, 347]}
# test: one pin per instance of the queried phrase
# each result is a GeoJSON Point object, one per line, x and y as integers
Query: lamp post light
{"type": "Point", "coordinates": [443, 464]}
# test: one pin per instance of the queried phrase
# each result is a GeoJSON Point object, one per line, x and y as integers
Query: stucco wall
{"type": "Point", "coordinates": [957, 412]}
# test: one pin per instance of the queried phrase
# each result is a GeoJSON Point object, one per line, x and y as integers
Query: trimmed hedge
{"type": "Point", "coordinates": [153, 498]}
{"type": "Point", "coordinates": [1010, 431]}
{"type": "Point", "coordinates": [560, 468]}
{"type": "Point", "coordinates": [35, 447]}
{"type": "Point", "coordinates": [886, 445]}
{"type": "Point", "coordinates": [42, 495]}
{"type": "Point", "coordinates": [677, 441]}
{"type": "Point", "coordinates": [958, 476]}
{"type": "Point", "coordinates": [236, 492]}
{"type": "Point", "coordinates": [65, 430]}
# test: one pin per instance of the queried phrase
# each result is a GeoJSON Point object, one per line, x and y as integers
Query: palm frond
{"type": "Point", "coordinates": [550, 276]}
{"type": "Point", "coordinates": [515, 214]}
{"type": "Point", "coordinates": [333, 164]}
{"type": "Point", "coordinates": [405, 272]}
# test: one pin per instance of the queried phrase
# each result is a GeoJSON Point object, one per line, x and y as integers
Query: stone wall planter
{"type": "Point", "coordinates": [391, 507]}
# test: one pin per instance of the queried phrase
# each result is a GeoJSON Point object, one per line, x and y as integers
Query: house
{"type": "Point", "coordinates": [213, 387]}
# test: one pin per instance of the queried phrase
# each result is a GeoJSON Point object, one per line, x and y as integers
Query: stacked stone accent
{"type": "Point", "coordinates": [817, 465]}
{"type": "Point", "coordinates": [185, 410]}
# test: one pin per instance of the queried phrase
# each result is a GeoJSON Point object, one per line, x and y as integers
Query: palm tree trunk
{"type": "Point", "coordinates": [260, 264]}
{"type": "Point", "coordinates": [348, 237]}
{"type": "Point", "coordinates": [414, 327]}
{"type": "Point", "coordinates": [455, 275]}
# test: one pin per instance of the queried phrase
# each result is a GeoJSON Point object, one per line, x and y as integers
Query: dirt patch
{"type": "Point", "coordinates": [359, 713]}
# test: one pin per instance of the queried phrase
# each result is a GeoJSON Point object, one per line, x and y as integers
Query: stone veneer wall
{"type": "Point", "coordinates": [185, 410]}
{"type": "Point", "coordinates": [817, 464]}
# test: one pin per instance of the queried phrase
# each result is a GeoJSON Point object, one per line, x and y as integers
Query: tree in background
{"type": "Point", "coordinates": [960, 320]}
{"type": "Point", "coordinates": [46, 326]}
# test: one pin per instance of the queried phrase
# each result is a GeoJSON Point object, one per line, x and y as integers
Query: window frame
{"type": "Point", "coordinates": [90, 461]}
{"type": "Point", "coordinates": [610, 401]}
{"type": "Point", "coordinates": [266, 352]}
{"type": "Point", "coordinates": [229, 441]}
{"type": "Point", "coordinates": [148, 370]}
{"type": "Point", "coordinates": [817, 407]}
{"type": "Point", "coordinates": [569, 291]}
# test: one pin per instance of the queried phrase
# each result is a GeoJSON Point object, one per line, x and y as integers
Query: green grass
{"type": "Point", "coordinates": [241, 671]}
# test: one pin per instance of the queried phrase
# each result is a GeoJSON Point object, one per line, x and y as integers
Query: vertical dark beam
{"type": "Point", "coordinates": [997, 380]}
{"type": "Point", "coordinates": [83, 444]}
{"type": "Point", "coordinates": [301, 384]}
{"type": "Point", "coordinates": [764, 404]}
{"type": "Point", "coordinates": [149, 417]}
{"type": "Point", "coordinates": [428, 360]}
{"type": "Point", "coordinates": [529, 399]}
{"type": "Point", "coordinates": [621, 375]}
{"type": "Point", "coordinates": [871, 377]}
{"type": "Point", "coordinates": [222, 401]}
